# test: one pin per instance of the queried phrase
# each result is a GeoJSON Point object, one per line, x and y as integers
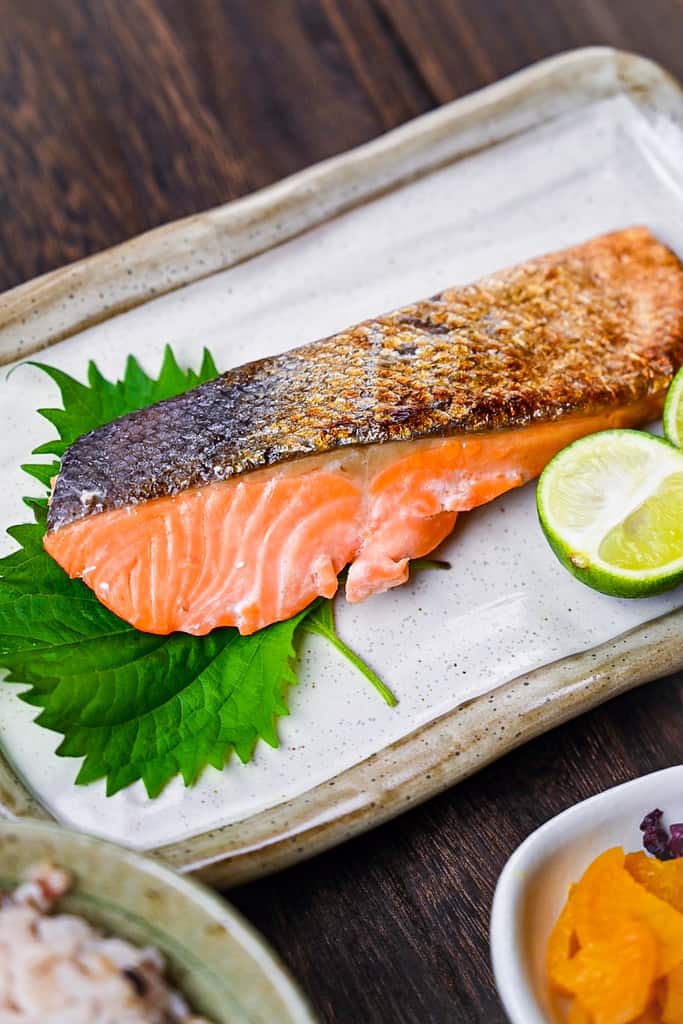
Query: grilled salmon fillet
{"type": "Point", "coordinates": [239, 502]}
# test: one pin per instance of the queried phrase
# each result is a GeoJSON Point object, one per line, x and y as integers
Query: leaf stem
{"type": "Point", "coordinates": [316, 624]}
{"type": "Point", "coordinates": [419, 564]}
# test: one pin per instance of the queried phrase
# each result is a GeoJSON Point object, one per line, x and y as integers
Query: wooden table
{"type": "Point", "coordinates": [118, 115]}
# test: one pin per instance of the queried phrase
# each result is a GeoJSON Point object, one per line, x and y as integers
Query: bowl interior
{"type": "Point", "coordinates": [536, 880]}
{"type": "Point", "coordinates": [214, 957]}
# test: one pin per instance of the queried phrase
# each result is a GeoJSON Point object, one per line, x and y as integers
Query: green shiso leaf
{"type": "Point", "coordinates": [133, 705]}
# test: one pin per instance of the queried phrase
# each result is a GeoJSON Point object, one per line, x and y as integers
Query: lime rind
{"type": "Point", "coordinates": [596, 495]}
{"type": "Point", "coordinates": [672, 416]}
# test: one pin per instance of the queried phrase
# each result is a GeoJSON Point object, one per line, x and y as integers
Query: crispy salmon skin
{"type": "Point", "coordinates": [240, 501]}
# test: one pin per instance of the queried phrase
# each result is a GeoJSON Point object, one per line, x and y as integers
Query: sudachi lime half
{"type": "Point", "coordinates": [611, 506]}
{"type": "Point", "coordinates": [673, 411]}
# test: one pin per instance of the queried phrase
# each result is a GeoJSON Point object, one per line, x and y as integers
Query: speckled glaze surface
{"type": "Point", "coordinates": [483, 657]}
{"type": "Point", "coordinates": [216, 959]}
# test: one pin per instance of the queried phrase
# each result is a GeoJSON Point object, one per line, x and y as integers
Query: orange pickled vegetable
{"type": "Point", "coordinates": [672, 1009]}
{"type": "Point", "coordinates": [612, 977]}
{"type": "Point", "coordinates": [607, 893]}
{"type": "Point", "coordinates": [578, 1014]}
{"type": "Point", "coordinates": [650, 1016]}
{"type": "Point", "coordinates": [562, 945]}
{"type": "Point", "coordinates": [663, 878]}
{"type": "Point", "coordinates": [617, 946]}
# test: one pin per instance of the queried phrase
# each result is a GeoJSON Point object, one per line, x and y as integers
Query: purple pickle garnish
{"type": "Point", "coordinates": [676, 843]}
{"type": "Point", "coordinates": [656, 838]}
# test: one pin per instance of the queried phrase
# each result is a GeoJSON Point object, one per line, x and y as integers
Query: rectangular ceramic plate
{"type": "Point", "coordinates": [482, 657]}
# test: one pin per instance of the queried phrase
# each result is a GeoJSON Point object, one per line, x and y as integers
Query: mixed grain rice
{"type": "Point", "coordinates": [58, 969]}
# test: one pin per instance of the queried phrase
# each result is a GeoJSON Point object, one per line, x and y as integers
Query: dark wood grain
{"type": "Point", "coordinates": [457, 44]}
{"type": "Point", "coordinates": [118, 115]}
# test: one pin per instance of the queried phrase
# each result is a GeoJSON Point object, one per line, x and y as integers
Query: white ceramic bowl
{"type": "Point", "coordinates": [534, 883]}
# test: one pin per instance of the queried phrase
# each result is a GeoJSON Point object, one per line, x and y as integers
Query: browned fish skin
{"type": "Point", "coordinates": [598, 325]}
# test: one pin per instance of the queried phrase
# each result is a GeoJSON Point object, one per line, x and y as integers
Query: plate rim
{"type": "Point", "coordinates": [452, 746]}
